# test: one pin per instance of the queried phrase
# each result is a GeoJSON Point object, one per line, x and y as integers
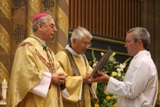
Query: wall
{"type": "Point", "coordinates": [151, 21]}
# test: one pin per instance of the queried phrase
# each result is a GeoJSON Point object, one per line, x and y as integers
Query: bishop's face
{"type": "Point", "coordinates": [48, 30]}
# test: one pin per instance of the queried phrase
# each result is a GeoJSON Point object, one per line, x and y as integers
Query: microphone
{"type": "Point", "coordinates": [44, 47]}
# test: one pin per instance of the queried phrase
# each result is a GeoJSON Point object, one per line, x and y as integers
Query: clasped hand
{"type": "Point", "coordinates": [58, 78]}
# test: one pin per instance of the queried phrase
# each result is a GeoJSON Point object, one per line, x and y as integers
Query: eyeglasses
{"type": "Point", "coordinates": [86, 44]}
{"type": "Point", "coordinates": [52, 26]}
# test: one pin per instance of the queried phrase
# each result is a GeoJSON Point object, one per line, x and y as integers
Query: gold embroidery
{"type": "Point", "coordinates": [35, 4]}
{"type": "Point", "coordinates": [3, 73]}
{"type": "Point", "coordinates": [62, 20]}
{"type": "Point", "coordinates": [5, 40]}
{"type": "Point", "coordinates": [29, 25]}
{"type": "Point", "coordinates": [6, 8]}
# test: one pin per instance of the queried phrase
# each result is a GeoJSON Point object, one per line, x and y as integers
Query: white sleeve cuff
{"type": "Point", "coordinates": [42, 87]}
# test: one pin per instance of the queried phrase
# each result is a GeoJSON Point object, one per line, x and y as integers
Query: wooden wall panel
{"type": "Point", "coordinates": [105, 17]}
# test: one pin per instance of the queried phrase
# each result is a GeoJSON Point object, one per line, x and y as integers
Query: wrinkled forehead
{"type": "Point", "coordinates": [49, 22]}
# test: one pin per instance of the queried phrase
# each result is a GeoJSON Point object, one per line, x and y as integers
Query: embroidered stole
{"type": "Point", "coordinates": [76, 72]}
{"type": "Point", "coordinates": [81, 103]}
{"type": "Point", "coordinates": [51, 64]}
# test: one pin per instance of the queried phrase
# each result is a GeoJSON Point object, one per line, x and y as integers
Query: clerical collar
{"type": "Point", "coordinates": [72, 51]}
{"type": "Point", "coordinates": [42, 41]}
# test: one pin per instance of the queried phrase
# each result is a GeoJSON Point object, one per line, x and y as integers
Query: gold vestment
{"type": "Point", "coordinates": [74, 83]}
{"type": "Point", "coordinates": [29, 65]}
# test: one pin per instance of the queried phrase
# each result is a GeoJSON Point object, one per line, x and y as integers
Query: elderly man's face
{"type": "Point", "coordinates": [80, 46]}
{"type": "Point", "coordinates": [48, 30]}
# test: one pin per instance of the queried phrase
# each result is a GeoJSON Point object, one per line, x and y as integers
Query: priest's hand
{"type": "Point", "coordinates": [101, 77]}
{"type": "Point", "coordinates": [58, 78]}
{"type": "Point", "coordinates": [86, 78]}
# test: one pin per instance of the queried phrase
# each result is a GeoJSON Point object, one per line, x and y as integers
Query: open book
{"type": "Point", "coordinates": [101, 63]}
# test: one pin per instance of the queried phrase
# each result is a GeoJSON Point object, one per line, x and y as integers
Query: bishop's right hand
{"type": "Point", "coordinates": [58, 78]}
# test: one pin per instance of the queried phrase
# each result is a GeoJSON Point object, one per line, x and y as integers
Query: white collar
{"type": "Point", "coordinates": [42, 41]}
{"type": "Point", "coordinates": [72, 51]}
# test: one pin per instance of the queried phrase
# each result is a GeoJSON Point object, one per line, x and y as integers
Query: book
{"type": "Point", "coordinates": [103, 60]}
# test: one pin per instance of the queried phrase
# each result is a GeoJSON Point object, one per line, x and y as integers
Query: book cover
{"type": "Point", "coordinates": [103, 60]}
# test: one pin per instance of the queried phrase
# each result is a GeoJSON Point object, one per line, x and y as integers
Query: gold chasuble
{"type": "Point", "coordinates": [31, 61]}
{"type": "Point", "coordinates": [79, 92]}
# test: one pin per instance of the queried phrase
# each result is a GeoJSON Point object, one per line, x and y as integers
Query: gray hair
{"type": "Point", "coordinates": [42, 20]}
{"type": "Point", "coordinates": [79, 33]}
{"type": "Point", "coordinates": [140, 33]}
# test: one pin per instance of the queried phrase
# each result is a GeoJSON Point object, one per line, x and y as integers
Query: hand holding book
{"type": "Point", "coordinates": [101, 63]}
